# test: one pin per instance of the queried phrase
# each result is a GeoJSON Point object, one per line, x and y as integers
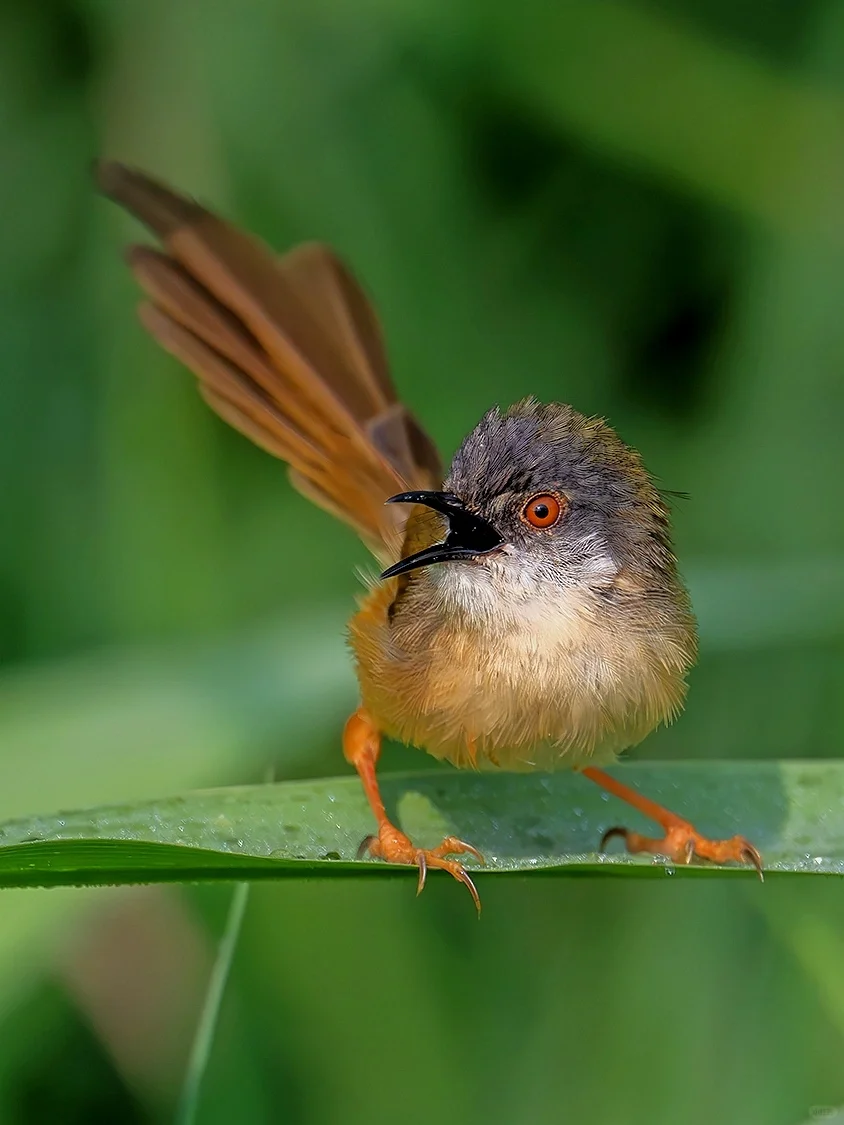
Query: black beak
{"type": "Point", "coordinates": [468, 535]}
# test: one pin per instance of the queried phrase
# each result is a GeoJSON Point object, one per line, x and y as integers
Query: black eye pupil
{"type": "Point", "coordinates": [540, 511]}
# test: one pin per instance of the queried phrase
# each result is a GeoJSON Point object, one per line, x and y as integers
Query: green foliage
{"type": "Point", "coordinates": [189, 1101]}
{"type": "Point", "coordinates": [632, 205]}
{"type": "Point", "coordinates": [548, 823]}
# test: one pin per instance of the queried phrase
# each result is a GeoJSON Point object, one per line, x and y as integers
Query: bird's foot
{"type": "Point", "coordinates": [393, 846]}
{"type": "Point", "coordinates": [682, 843]}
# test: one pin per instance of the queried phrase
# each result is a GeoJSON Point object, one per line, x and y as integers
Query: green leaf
{"type": "Point", "coordinates": [790, 810]}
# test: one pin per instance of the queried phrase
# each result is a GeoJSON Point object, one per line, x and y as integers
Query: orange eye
{"type": "Point", "coordinates": [543, 510]}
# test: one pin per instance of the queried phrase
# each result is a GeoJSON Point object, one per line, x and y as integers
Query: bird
{"type": "Point", "coordinates": [530, 614]}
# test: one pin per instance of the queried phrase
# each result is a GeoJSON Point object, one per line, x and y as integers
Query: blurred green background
{"type": "Point", "coordinates": [634, 207]}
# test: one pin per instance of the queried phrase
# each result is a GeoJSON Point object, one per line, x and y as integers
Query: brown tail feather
{"type": "Point", "coordinates": [287, 350]}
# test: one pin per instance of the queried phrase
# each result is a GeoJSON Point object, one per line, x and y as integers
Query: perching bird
{"type": "Point", "coordinates": [530, 616]}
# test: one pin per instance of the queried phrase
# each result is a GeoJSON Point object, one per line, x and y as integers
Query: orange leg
{"type": "Point", "coordinates": [681, 842]}
{"type": "Point", "coordinates": [362, 746]}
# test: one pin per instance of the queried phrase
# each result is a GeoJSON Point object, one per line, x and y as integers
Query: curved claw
{"type": "Point", "coordinates": [464, 847]}
{"type": "Point", "coordinates": [750, 855]}
{"type": "Point", "coordinates": [610, 834]}
{"type": "Point", "coordinates": [365, 846]}
{"type": "Point", "coordinates": [456, 870]}
{"type": "Point", "coordinates": [463, 877]}
{"type": "Point", "coordinates": [452, 846]}
{"type": "Point", "coordinates": [422, 864]}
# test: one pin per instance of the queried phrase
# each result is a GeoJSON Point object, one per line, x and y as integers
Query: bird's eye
{"type": "Point", "coordinates": [543, 510]}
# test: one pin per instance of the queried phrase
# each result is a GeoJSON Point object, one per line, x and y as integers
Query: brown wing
{"type": "Point", "coordinates": [287, 350]}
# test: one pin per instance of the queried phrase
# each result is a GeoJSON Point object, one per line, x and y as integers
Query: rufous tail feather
{"type": "Point", "coordinates": [286, 349]}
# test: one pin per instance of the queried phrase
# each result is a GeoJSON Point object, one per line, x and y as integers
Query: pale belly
{"type": "Point", "coordinates": [559, 694]}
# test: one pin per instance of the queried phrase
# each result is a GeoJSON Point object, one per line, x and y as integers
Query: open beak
{"type": "Point", "coordinates": [468, 535]}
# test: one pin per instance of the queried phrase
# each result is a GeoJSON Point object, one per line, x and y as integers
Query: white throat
{"type": "Point", "coordinates": [502, 593]}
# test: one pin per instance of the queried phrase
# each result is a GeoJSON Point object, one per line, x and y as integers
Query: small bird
{"type": "Point", "coordinates": [530, 615]}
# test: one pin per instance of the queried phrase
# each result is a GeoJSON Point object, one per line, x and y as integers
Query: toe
{"type": "Point", "coordinates": [452, 846]}
{"type": "Point", "coordinates": [682, 844]}
{"type": "Point", "coordinates": [393, 846]}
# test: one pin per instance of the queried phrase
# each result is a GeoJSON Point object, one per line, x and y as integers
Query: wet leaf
{"type": "Point", "coordinates": [547, 823]}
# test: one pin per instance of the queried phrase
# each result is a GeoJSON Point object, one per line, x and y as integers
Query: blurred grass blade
{"type": "Point", "coordinates": [790, 810]}
{"type": "Point", "coordinates": [201, 1048]}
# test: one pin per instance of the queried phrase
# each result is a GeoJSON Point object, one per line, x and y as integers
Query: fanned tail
{"type": "Point", "coordinates": [287, 350]}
